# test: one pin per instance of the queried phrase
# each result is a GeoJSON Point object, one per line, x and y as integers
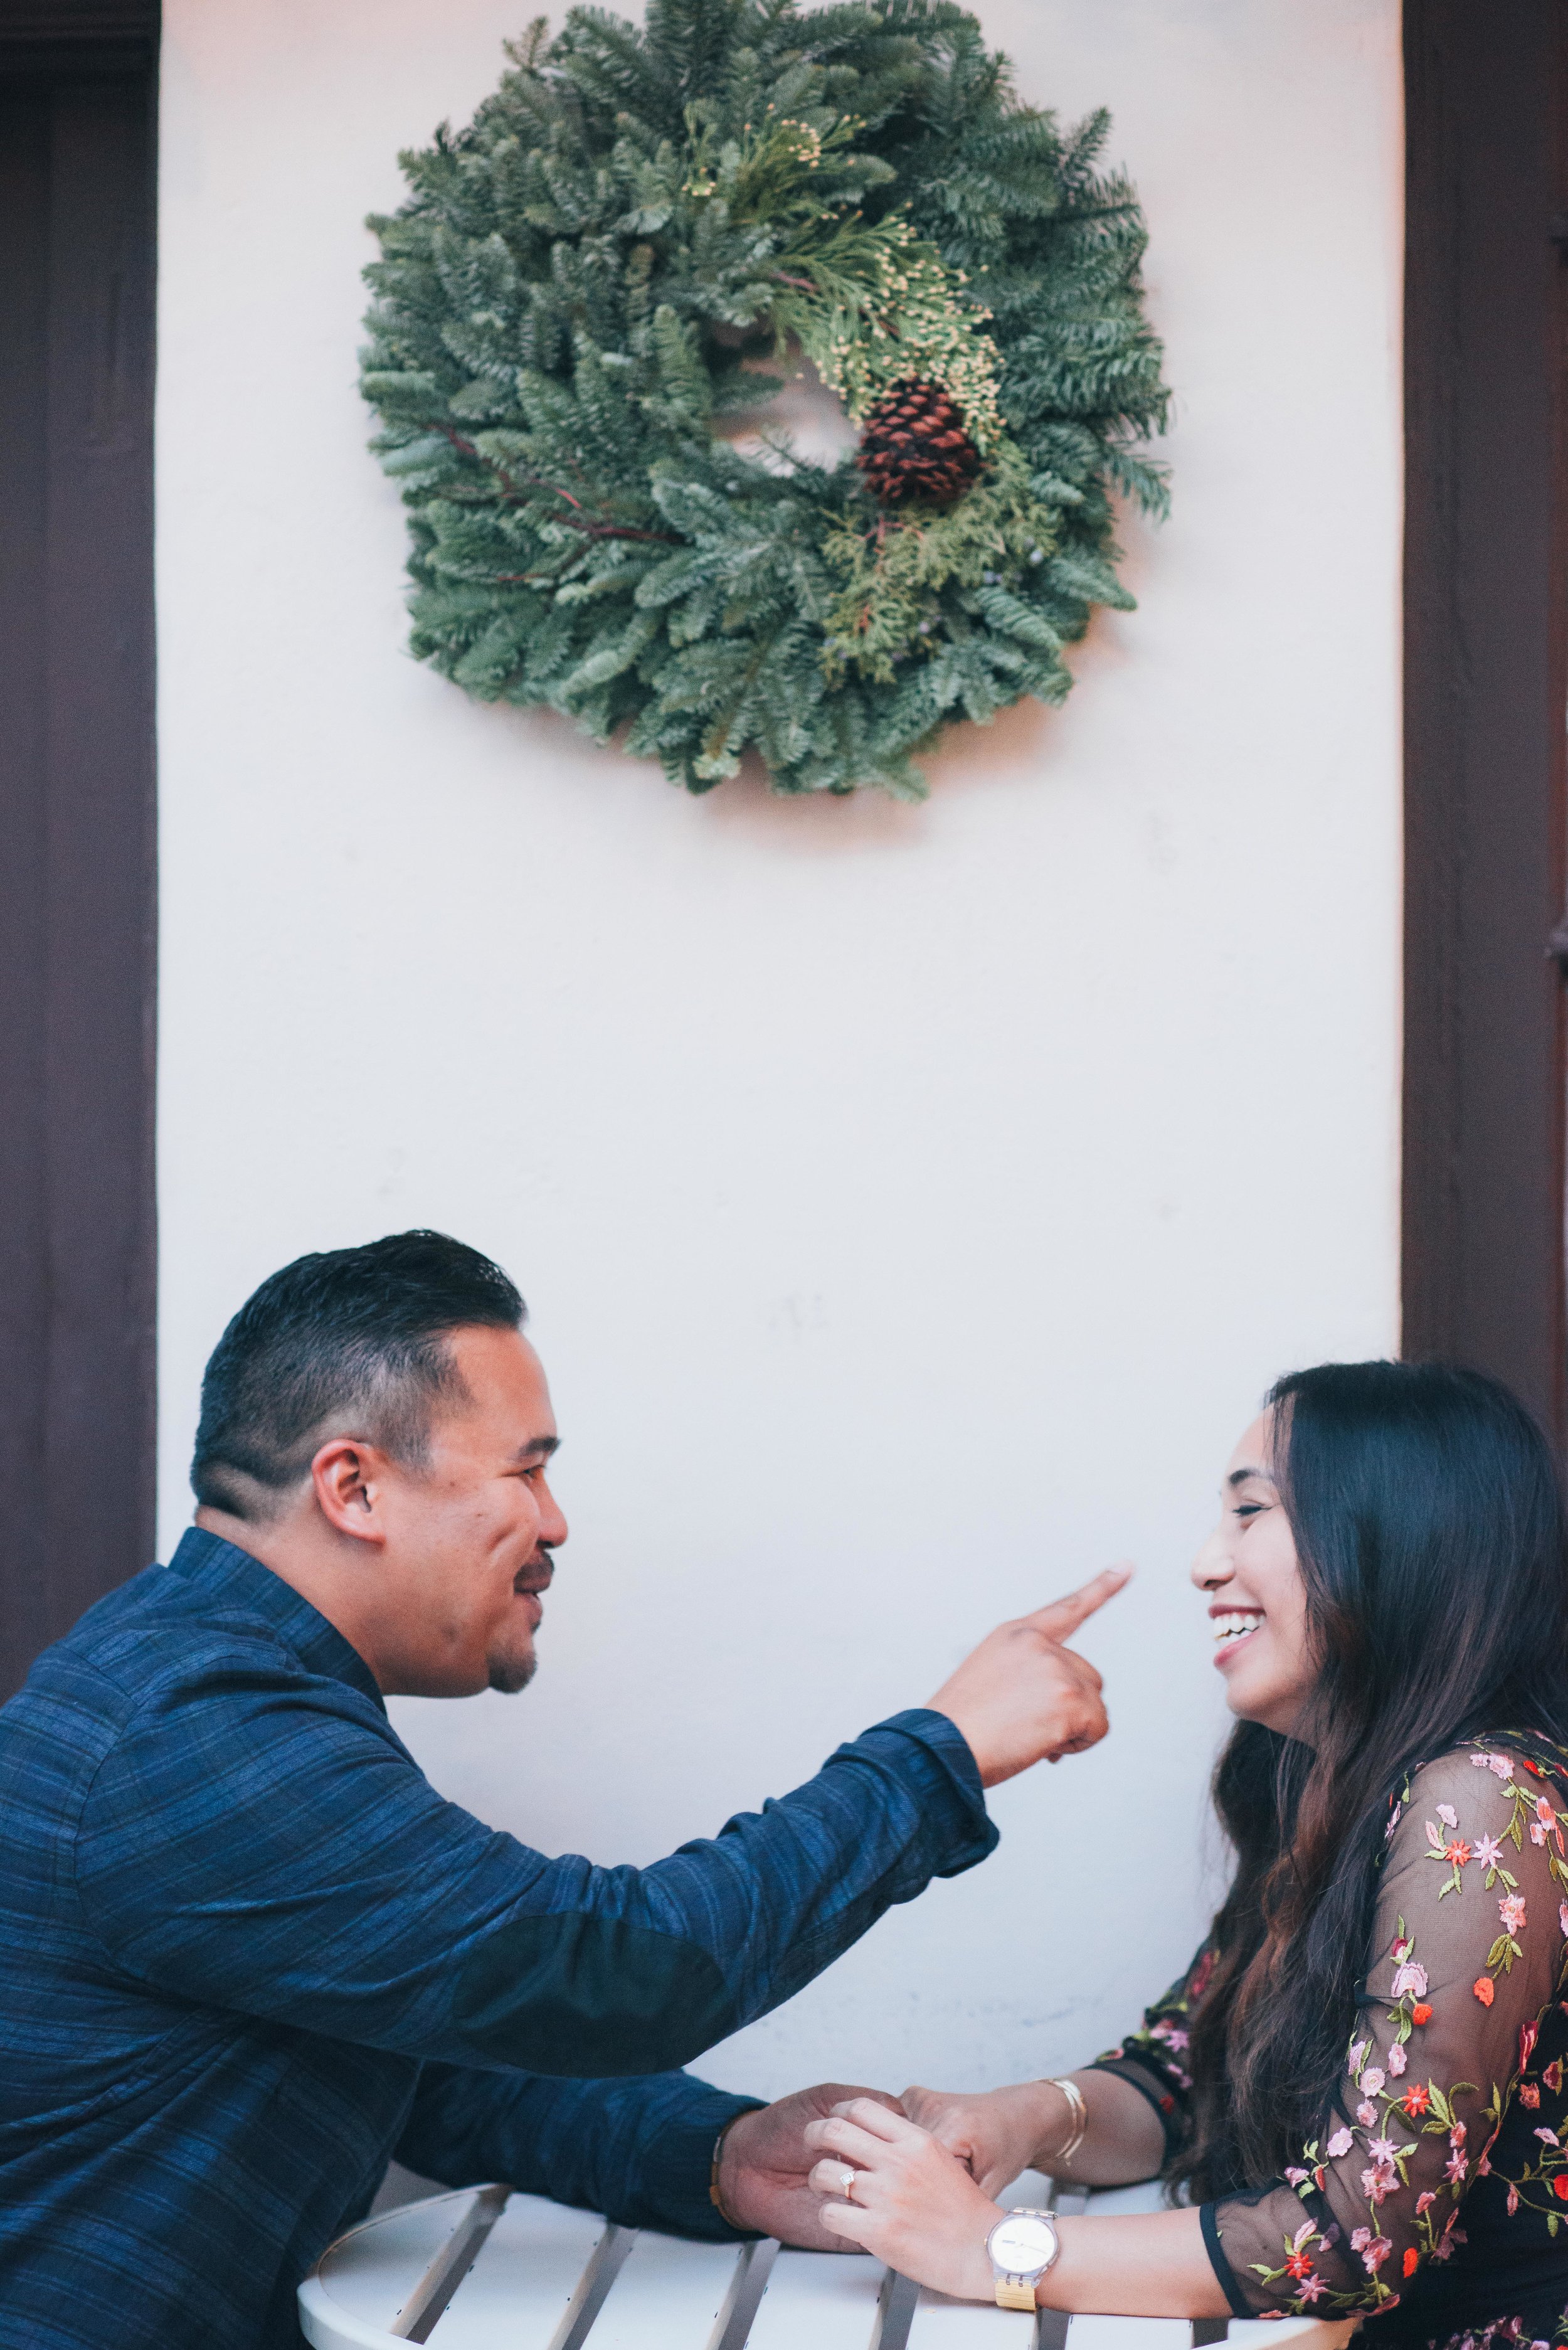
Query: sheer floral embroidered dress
{"type": "Point", "coordinates": [1435, 2198]}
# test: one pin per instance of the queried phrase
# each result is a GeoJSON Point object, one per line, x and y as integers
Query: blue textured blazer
{"type": "Point", "coordinates": [247, 1953]}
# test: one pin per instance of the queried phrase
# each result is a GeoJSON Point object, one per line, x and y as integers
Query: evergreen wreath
{"type": "Point", "coordinates": [607, 259]}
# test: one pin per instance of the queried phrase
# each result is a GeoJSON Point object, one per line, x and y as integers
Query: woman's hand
{"type": "Point", "coordinates": [763, 2161]}
{"type": "Point", "coordinates": [909, 2201]}
{"type": "Point", "coordinates": [995, 2133]}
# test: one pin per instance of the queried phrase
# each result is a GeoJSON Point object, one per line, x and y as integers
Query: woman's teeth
{"type": "Point", "coordinates": [1233, 1626]}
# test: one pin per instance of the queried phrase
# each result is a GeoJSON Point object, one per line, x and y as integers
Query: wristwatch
{"type": "Point", "coordinates": [1023, 2245]}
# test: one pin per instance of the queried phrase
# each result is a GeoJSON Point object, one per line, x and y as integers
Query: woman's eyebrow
{"type": "Point", "coordinates": [1242, 1476]}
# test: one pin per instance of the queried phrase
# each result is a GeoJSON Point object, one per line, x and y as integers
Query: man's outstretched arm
{"type": "Point", "coordinates": [261, 1840]}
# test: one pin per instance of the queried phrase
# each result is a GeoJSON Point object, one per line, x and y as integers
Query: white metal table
{"type": "Point", "coordinates": [487, 2269]}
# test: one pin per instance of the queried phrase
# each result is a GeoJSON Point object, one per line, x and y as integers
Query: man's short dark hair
{"type": "Point", "coordinates": [352, 1342]}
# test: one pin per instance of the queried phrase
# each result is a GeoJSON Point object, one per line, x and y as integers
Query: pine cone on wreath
{"type": "Point", "coordinates": [914, 444]}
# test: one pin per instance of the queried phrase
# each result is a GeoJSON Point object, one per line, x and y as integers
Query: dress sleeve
{"type": "Point", "coordinates": [1153, 2059]}
{"type": "Point", "coordinates": [1468, 1947]}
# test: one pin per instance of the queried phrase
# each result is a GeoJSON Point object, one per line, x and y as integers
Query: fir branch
{"type": "Point", "coordinates": [576, 521]}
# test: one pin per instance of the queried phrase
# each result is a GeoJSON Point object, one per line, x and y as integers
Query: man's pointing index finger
{"type": "Point", "coordinates": [1062, 1618]}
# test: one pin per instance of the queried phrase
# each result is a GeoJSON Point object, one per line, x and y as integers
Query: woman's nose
{"type": "Point", "coordinates": [1212, 1566]}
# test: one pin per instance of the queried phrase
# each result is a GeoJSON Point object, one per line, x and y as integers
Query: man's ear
{"type": "Point", "coordinates": [348, 1477]}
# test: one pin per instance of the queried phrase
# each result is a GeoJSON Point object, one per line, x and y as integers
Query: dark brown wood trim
{"type": "Point", "coordinates": [1486, 688]}
{"type": "Point", "coordinates": [77, 889]}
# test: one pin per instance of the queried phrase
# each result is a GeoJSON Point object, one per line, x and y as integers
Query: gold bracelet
{"type": "Point", "coordinates": [1080, 2113]}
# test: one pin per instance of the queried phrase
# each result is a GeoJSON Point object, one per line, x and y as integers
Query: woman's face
{"type": "Point", "coordinates": [1257, 1601]}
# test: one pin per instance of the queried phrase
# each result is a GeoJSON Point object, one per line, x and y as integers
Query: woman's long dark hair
{"type": "Point", "coordinates": [1428, 1522]}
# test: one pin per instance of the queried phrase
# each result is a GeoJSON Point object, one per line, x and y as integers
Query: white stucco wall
{"type": "Point", "coordinates": [912, 1203]}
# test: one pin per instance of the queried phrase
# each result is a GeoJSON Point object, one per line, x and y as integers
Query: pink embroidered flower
{"type": "Point", "coordinates": [1297, 2177]}
{"type": "Point", "coordinates": [1340, 2143]}
{"type": "Point", "coordinates": [1410, 1981]}
{"type": "Point", "coordinates": [1457, 2134]}
{"type": "Point", "coordinates": [1544, 1812]}
{"type": "Point", "coordinates": [1372, 2079]}
{"type": "Point", "coordinates": [1173, 2034]}
{"type": "Point", "coordinates": [1513, 2200]}
{"type": "Point", "coordinates": [1547, 2137]}
{"type": "Point", "coordinates": [1381, 2149]}
{"type": "Point", "coordinates": [1562, 1917]}
{"type": "Point", "coordinates": [1366, 2113]}
{"type": "Point", "coordinates": [1528, 2034]}
{"type": "Point", "coordinates": [1400, 1948]}
{"type": "Point", "coordinates": [1448, 1815]}
{"type": "Point", "coordinates": [1501, 1763]}
{"type": "Point", "coordinates": [1537, 1833]}
{"type": "Point", "coordinates": [1378, 2183]}
{"type": "Point", "coordinates": [1311, 2287]}
{"type": "Point", "coordinates": [1396, 2058]}
{"type": "Point", "coordinates": [1510, 1909]}
{"type": "Point", "coordinates": [1529, 2095]}
{"type": "Point", "coordinates": [1423, 2201]}
{"type": "Point", "coordinates": [1358, 2056]}
{"type": "Point", "coordinates": [1359, 2239]}
{"type": "Point", "coordinates": [1489, 1852]}
{"type": "Point", "coordinates": [1376, 2252]}
{"type": "Point", "coordinates": [1456, 2169]}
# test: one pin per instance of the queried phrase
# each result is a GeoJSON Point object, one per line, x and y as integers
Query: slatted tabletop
{"type": "Point", "coordinates": [484, 2269]}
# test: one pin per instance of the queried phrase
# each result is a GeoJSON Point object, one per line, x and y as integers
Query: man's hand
{"type": "Point", "coordinates": [1021, 1697]}
{"type": "Point", "coordinates": [763, 2167]}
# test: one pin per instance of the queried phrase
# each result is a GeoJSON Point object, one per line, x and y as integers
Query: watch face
{"type": "Point", "coordinates": [1021, 2244]}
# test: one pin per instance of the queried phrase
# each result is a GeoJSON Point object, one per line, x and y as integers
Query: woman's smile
{"type": "Point", "coordinates": [1232, 1628]}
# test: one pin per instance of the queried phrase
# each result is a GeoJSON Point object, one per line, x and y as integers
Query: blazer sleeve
{"type": "Point", "coordinates": [639, 2150]}
{"type": "Point", "coordinates": [259, 1839]}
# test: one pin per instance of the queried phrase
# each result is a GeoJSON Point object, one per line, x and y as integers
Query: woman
{"type": "Point", "coordinates": [1357, 2090]}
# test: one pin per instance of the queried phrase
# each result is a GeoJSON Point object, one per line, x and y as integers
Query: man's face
{"type": "Point", "coordinates": [469, 1536]}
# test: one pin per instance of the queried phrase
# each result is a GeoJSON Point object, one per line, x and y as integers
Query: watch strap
{"type": "Point", "coordinates": [1015, 2290]}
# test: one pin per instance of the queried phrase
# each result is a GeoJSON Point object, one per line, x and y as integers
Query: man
{"type": "Point", "coordinates": [247, 1953]}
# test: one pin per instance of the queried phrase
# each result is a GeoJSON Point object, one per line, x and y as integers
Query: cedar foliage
{"type": "Point", "coordinates": [596, 268]}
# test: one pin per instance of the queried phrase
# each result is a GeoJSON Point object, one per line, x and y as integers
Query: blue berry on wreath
{"type": "Point", "coordinates": [639, 230]}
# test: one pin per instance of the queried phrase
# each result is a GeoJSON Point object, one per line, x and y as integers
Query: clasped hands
{"type": "Point", "coordinates": [923, 2171]}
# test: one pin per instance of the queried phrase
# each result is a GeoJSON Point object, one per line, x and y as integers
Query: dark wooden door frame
{"type": "Point", "coordinates": [77, 897]}
{"type": "Point", "coordinates": [1486, 688]}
